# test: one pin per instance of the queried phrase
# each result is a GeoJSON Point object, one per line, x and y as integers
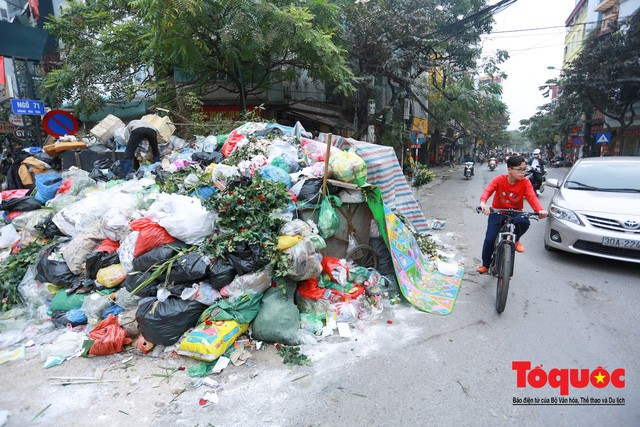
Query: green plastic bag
{"type": "Point", "coordinates": [279, 319]}
{"type": "Point", "coordinates": [242, 310]}
{"type": "Point", "coordinates": [328, 220]}
{"type": "Point", "coordinates": [65, 302]}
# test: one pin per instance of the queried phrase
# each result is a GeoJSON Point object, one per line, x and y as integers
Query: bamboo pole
{"type": "Point", "coordinates": [326, 165]}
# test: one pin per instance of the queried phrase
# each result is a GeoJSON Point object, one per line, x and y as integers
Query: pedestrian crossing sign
{"type": "Point", "coordinates": [603, 137]}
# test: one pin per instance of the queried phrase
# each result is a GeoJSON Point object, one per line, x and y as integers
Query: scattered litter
{"type": "Point", "coordinates": [41, 412]}
{"type": "Point", "coordinates": [239, 357]}
{"type": "Point", "coordinates": [10, 355]}
{"type": "Point", "coordinates": [209, 382]}
{"type": "Point", "coordinates": [222, 363]}
{"type": "Point", "coordinates": [344, 330]}
{"type": "Point", "coordinates": [211, 396]}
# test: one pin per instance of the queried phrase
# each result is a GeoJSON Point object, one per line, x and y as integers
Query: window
{"type": "Point", "coordinates": [4, 11]}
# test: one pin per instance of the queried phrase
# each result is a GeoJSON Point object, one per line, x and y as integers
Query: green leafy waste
{"type": "Point", "coordinates": [12, 271]}
{"type": "Point", "coordinates": [291, 355]}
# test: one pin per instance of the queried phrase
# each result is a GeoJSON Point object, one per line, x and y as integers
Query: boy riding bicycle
{"type": "Point", "coordinates": [510, 191]}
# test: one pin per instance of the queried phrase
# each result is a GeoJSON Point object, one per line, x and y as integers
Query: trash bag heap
{"type": "Point", "coordinates": [197, 251]}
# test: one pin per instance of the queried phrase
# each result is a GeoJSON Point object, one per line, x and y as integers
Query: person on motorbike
{"type": "Point", "coordinates": [537, 168]}
{"type": "Point", "coordinates": [469, 158]}
{"type": "Point", "coordinates": [509, 192]}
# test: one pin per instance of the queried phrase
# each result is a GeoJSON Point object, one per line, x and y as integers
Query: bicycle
{"type": "Point", "coordinates": [504, 252]}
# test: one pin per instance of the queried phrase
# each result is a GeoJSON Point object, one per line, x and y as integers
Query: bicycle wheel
{"type": "Point", "coordinates": [504, 275]}
{"type": "Point", "coordinates": [363, 255]}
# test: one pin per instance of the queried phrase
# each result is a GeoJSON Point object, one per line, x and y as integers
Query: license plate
{"type": "Point", "coordinates": [621, 243]}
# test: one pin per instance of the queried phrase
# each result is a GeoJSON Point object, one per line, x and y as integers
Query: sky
{"type": "Point", "coordinates": [531, 52]}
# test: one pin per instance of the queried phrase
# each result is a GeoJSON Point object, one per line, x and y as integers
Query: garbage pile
{"type": "Point", "coordinates": [198, 251]}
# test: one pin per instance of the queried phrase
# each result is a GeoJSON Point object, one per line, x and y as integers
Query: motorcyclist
{"type": "Point", "coordinates": [537, 168]}
{"type": "Point", "coordinates": [469, 158]}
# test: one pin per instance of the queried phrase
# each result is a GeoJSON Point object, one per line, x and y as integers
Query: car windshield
{"type": "Point", "coordinates": [614, 177]}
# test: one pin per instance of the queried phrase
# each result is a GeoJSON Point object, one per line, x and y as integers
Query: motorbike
{"type": "Point", "coordinates": [539, 187]}
{"type": "Point", "coordinates": [468, 167]}
{"type": "Point", "coordinates": [493, 163]}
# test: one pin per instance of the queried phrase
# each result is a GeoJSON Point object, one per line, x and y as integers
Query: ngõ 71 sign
{"type": "Point", "coordinates": [27, 106]}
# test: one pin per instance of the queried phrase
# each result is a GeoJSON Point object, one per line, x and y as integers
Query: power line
{"type": "Point", "coordinates": [543, 28]}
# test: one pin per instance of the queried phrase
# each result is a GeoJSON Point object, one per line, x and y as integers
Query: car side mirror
{"type": "Point", "coordinates": [551, 182]}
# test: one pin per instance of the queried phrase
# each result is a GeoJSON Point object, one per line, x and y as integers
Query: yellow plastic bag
{"type": "Point", "coordinates": [210, 339]}
{"type": "Point", "coordinates": [285, 242]}
{"type": "Point", "coordinates": [111, 276]}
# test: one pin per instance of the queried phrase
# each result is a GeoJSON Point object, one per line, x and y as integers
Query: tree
{"type": "Point", "coordinates": [242, 45]}
{"type": "Point", "coordinates": [399, 42]}
{"type": "Point", "coordinates": [604, 77]}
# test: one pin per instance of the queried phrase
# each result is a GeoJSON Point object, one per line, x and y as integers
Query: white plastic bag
{"type": "Point", "coordinates": [8, 235]}
{"type": "Point", "coordinates": [184, 217]}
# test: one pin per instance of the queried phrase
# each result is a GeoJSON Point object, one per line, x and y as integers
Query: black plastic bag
{"type": "Point", "coordinates": [157, 255]}
{"type": "Point", "coordinates": [97, 260]}
{"type": "Point", "coordinates": [49, 229]}
{"type": "Point", "coordinates": [189, 268]}
{"type": "Point", "coordinates": [24, 204]}
{"type": "Point", "coordinates": [52, 271]}
{"type": "Point", "coordinates": [135, 279]}
{"type": "Point", "coordinates": [385, 264]}
{"type": "Point", "coordinates": [164, 322]}
{"type": "Point", "coordinates": [206, 159]}
{"type": "Point", "coordinates": [311, 191]}
{"type": "Point", "coordinates": [221, 273]}
{"type": "Point", "coordinates": [247, 258]}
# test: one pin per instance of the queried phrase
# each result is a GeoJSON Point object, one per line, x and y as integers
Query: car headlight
{"type": "Point", "coordinates": [564, 214]}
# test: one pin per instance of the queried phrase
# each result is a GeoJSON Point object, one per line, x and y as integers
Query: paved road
{"type": "Point", "coordinates": [407, 368]}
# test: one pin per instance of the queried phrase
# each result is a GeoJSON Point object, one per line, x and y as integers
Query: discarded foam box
{"type": "Point", "coordinates": [104, 130]}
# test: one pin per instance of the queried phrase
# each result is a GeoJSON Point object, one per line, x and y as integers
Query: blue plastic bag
{"type": "Point", "coordinates": [47, 185]}
{"type": "Point", "coordinates": [274, 173]}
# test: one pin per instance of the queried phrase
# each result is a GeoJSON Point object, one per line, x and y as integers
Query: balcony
{"type": "Point", "coordinates": [605, 5]}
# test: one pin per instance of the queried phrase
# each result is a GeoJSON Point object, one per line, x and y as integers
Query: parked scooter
{"type": "Point", "coordinates": [493, 163]}
{"type": "Point", "coordinates": [468, 169]}
{"type": "Point", "coordinates": [538, 186]}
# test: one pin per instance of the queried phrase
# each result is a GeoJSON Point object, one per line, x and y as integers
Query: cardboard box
{"type": "Point", "coordinates": [163, 124]}
{"type": "Point", "coordinates": [104, 130]}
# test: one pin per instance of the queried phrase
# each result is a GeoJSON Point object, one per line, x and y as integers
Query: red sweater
{"type": "Point", "coordinates": [511, 196]}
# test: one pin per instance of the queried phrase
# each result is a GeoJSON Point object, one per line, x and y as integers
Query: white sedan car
{"type": "Point", "coordinates": [596, 209]}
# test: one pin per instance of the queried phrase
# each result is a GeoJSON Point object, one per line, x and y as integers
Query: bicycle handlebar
{"type": "Point", "coordinates": [510, 212]}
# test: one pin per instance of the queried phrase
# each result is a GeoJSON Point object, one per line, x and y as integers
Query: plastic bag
{"type": "Point", "coordinates": [189, 268]}
{"type": "Point", "coordinates": [209, 340]}
{"type": "Point", "coordinates": [221, 273]}
{"type": "Point", "coordinates": [94, 305]}
{"type": "Point", "coordinates": [111, 276]}
{"type": "Point", "coordinates": [78, 249]}
{"type": "Point", "coordinates": [201, 292]}
{"type": "Point", "coordinates": [348, 167]}
{"type": "Point", "coordinates": [157, 256]}
{"type": "Point", "coordinates": [184, 217]}
{"type": "Point", "coordinates": [151, 235]}
{"type": "Point", "coordinates": [337, 269]}
{"type": "Point", "coordinates": [256, 282]}
{"type": "Point", "coordinates": [304, 260]}
{"type": "Point", "coordinates": [108, 336]}
{"type": "Point", "coordinates": [242, 309]}
{"type": "Point", "coordinates": [247, 258]}
{"type": "Point", "coordinates": [47, 185]}
{"type": "Point", "coordinates": [233, 139]}
{"type": "Point", "coordinates": [298, 227]}
{"type": "Point", "coordinates": [164, 323]}
{"type": "Point", "coordinates": [126, 251]}
{"type": "Point", "coordinates": [328, 220]}
{"type": "Point", "coordinates": [275, 174]}
{"type": "Point", "coordinates": [23, 204]}
{"type": "Point", "coordinates": [8, 236]}
{"type": "Point", "coordinates": [310, 289]}
{"type": "Point", "coordinates": [279, 318]}
{"type": "Point", "coordinates": [65, 302]}
{"type": "Point", "coordinates": [52, 268]}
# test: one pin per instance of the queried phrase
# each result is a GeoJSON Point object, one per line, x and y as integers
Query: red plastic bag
{"type": "Point", "coordinates": [336, 269]}
{"type": "Point", "coordinates": [108, 245]}
{"type": "Point", "coordinates": [109, 337]}
{"type": "Point", "coordinates": [309, 289]}
{"type": "Point", "coordinates": [65, 186]}
{"type": "Point", "coordinates": [232, 140]}
{"type": "Point", "coordinates": [13, 215]}
{"type": "Point", "coordinates": [338, 296]}
{"type": "Point", "coordinates": [151, 235]}
{"type": "Point", "coordinates": [10, 194]}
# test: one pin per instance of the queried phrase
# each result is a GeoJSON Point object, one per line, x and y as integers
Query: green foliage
{"type": "Point", "coordinates": [421, 175]}
{"type": "Point", "coordinates": [245, 209]}
{"type": "Point", "coordinates": [12, 270]}
{"type": "Point", "coordinates": [291, 356]}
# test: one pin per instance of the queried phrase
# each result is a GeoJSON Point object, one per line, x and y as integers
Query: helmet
{"type": "Point", "coordinates": [536, 151]}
